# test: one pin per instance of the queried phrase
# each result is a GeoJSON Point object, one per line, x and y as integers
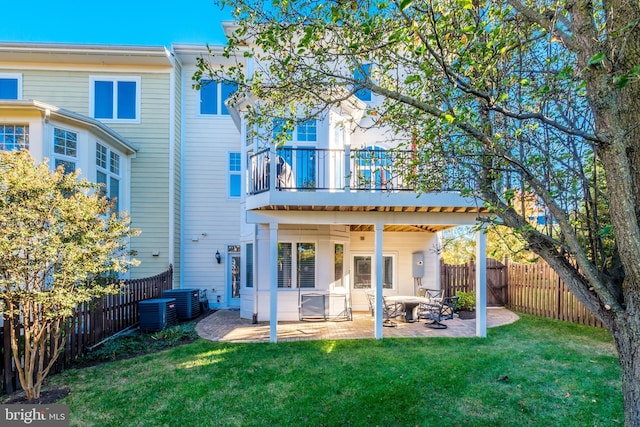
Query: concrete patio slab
{"type": "Point", "coordinates": [227, 326]}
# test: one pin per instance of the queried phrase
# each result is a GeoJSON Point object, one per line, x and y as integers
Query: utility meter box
{"type": "Point", "coordinates": [417, 264]}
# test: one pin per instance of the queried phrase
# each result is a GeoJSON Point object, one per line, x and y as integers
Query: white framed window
{"type": "Point", "coordinates": [338, 265]}
{"type": "Point", "coordinates": [306, 131]}
{"type": "Point", "coordinates": [279, 128]}
{"type": "Point", "coordinates": [213, 96]}
{"type": "Point", "coordinates": [14, 137]}
{"type": "Point", "coordinates": [10, 86]}
{"type": "Point", "coordinates": [108, 173]}
{"type": "Point", "coordinates": [234, 175]}
{"type": "Point", "coordinates": [362, 268]}
{"type": "Point", "coordinates": [65, 149]}
{"type": "Point", "coordinates": [297, 267]}
{"type": "Point", "coordinates": [248, 257]}
{"type": "Point", "coordinates": [115, 98]}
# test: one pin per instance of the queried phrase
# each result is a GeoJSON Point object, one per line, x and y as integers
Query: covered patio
{"type": "Point", "coordinates": [227, 326]}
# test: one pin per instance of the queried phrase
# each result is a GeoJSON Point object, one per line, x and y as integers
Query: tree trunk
{"type": "Point", "coordinates": [627, 337]}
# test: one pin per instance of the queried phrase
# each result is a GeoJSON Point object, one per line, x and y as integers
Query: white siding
{"type": "Point", "coordinates": [211, 220]}
{"type": "Point", "coordinates": [149, 203]}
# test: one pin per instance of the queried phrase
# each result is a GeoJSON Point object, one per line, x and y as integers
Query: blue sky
{"type": "Point", "coordinates": [138, 22]}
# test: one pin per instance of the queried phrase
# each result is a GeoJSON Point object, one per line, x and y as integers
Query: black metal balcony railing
{"type": "Point", "coordinates": [309, 169]}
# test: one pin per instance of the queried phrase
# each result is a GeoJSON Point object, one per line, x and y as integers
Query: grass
{"type": "Point", "coordinates": [534, 372]}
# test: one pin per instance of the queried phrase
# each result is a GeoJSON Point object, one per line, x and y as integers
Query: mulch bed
{"type": "Point", "coordinates": [46, 397]}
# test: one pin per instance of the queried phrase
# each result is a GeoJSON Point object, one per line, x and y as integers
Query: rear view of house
{"type": "Point", "coordinates": [253, 223]}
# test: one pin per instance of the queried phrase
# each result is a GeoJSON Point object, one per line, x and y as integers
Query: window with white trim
{"type": "Point", "coordinates": [304, 131]}
{"type": "Point", "coordinates": [338, 265]}
{"type": "Point", "coordinates": [280, 127]}
{"type": "Point", "coordinates": [213, 96]}
{"type": "Point", "coordinates": [307, 131]}
{"type": "Point", "coordinates": [10, 86]}
{"type": "Point", "coordinates": [115, 98]}
{"type": "Point", "coordinates": [234, 175]}
{"type": "Point", "coordinates": [249, 264]}
{"type": "Point", "coordinates": [65, 149]}
{"type": "Point", "coordinates": [14, 137]}
{"type": "Point", "coordinates": [363, 275]}
{"type": "Point", "coordinates": [297, 267]}
{"type": "Point", "coordinates": [108, 173]}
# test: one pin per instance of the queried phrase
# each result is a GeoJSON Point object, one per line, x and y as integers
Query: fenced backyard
{"type": "Point", "coordinates": [92, 323]}
{"type": "Point", "coordinates": [526, 288]}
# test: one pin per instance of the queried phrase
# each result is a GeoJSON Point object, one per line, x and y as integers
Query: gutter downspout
{"type": "Point", "coordinates": [172, 167]}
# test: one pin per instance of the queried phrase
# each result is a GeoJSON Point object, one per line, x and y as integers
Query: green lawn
{"type": "Point", "coordinates": [535, 372]}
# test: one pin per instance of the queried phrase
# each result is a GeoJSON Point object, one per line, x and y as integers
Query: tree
{"type": "Point", "coordinates": [58, 240]}
{"type": "Point", "coordinates": [458, 245]}
{"type": "Point", "coordinates": [531, 97]}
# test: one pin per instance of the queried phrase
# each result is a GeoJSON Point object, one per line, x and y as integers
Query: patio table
{"type": "Point", "coordinates": [410, 302]}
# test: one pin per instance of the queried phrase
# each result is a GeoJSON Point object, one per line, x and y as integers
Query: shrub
{"type": "Point", "coordinates": [466, 301]}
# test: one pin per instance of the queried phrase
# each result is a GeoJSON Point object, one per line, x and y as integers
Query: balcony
{"type": "Point", "coordinates": [312, 169]}
{"type": "Point", "coordinates": [362, 179]}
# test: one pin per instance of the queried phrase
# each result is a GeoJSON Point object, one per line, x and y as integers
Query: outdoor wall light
{"type": "Point", "coordinates": [218, 257]}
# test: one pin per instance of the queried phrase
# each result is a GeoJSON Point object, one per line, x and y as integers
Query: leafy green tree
{"type": "Point", "coordinates": [458, 245]}
{"type": "Point", "coordinates": [58, 240]}
{"type": "Point", "coordinates": [517, 96]}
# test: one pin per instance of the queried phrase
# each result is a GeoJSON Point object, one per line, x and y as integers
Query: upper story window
{"type": "Point", "coordinates": [360, 74]}
{"type": "Point", "coordinates": [65, 149]}
{"type": "Point", "coordinates": [279, 129]}
{"type": "Point", "coordinates": [213, 96]}
{"type": "Point", "coordinates": [306, 131]}
{"type": "Point", "coordinates": [14, 137]}
{"type": "Point", "coordinates": [115, 98]}
{"type": "Point", "coordinates": [234, 175]}
{"type": "Point", "coordinates": [10, 86]}
{"type": "Point", "coordinates": [108, 173]}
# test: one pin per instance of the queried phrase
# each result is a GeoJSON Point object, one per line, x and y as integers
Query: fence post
{"type": "Point", "coordinates": [471, 276]}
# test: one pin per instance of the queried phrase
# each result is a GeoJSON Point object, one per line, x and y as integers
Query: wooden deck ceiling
{"type": "Point", "coordinates": [386, 208]}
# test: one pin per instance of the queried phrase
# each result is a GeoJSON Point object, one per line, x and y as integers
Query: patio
{"type": "Point", "coordinates": [227, 326]}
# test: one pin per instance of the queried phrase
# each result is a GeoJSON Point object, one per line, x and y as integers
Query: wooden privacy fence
{"type": "Point", "coordinates": [462, 277]}
{"type": "Point", "coordinates": [92, 323]}
{"type": "Point", "coordinates": [537, 289]}
{"type": "Point", "coordinates": [528, 288]}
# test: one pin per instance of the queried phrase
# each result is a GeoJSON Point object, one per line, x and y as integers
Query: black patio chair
{"type": "Point", "coordinates": [435, 312]}
{"type": "Point", "coordinates": [390, 311]}
{"type": "Point", "coordinates": [371, 298]}
{"type": "Point", "coordinates": [434, 294]}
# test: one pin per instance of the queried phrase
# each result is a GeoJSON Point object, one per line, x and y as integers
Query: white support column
{"type": "Point", "coordinates": [273, 282]}
{"type": "Point", "coordinates": [377, 263]}
{"type": "Point", "coordinates": [481, 283]}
